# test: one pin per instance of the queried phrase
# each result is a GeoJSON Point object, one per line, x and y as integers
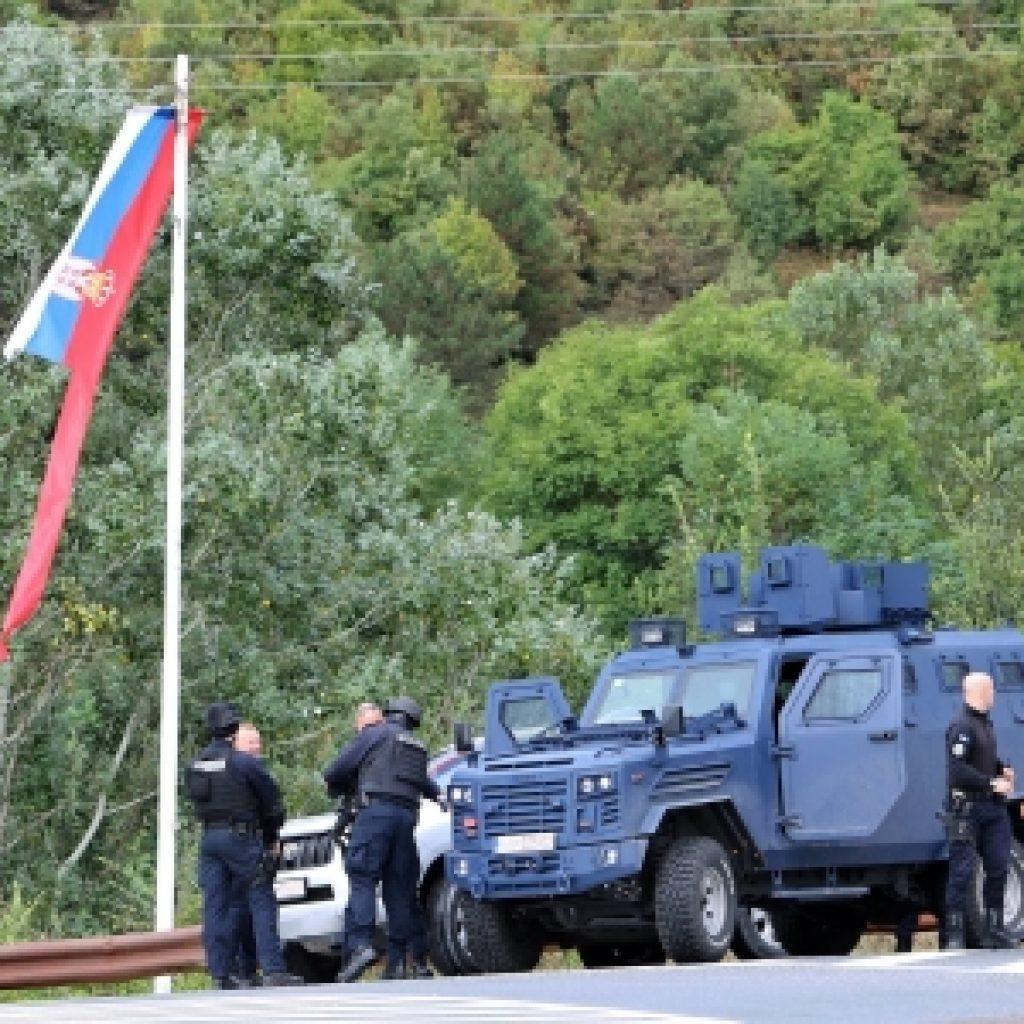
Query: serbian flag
{"type": "Point", "coordinates": [72, 318]}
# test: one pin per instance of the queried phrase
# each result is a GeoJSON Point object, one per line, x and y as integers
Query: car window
{"type": "Point", "coordinates": [627, 696]}
{"type": "Point", "coordinates": [707, 687]}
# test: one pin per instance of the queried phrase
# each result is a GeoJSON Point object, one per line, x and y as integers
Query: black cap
{"type": "Point", "coordinates": [223, 718]}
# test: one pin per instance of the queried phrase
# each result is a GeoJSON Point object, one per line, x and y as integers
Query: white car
{"type": "Point", "coordinates": [312, 888]}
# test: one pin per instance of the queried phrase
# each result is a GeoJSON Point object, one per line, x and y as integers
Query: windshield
{"type": "Point", "coordinates": [707, 687]}
{"type": "Point", "coordinates": [625, 697]}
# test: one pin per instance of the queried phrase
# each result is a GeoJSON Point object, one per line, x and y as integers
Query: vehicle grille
{"type": "Point", "coordinates": [307, 851]}
{"type": "Point", "coordinates": [515, 807]}
{"type": "Point", "coordinates": [681, 782]}
{"type": "Point", "coordinates": [608, 810]}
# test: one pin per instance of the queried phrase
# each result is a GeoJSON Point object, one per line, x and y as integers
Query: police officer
{"type": "Point", "coordinates": [386, 767]}
{"type": "Point", "coordinates": [239, 805]}
{"type": "Point", "coordinates": [978, 784]}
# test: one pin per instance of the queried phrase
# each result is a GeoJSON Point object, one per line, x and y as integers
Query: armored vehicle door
{"type": "Point", "coordinates": [840, 749]}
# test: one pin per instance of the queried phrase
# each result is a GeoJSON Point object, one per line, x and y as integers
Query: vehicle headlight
{"type": "Point", "coordinates": [460, 794]}
{"type": "Point", "coordinates": [596, 785]}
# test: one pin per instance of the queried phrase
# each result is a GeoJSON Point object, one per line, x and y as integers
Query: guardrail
{"type": "Point", "coordinates": [101, 958]}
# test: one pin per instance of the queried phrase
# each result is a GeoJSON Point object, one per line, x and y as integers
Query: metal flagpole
{"type": "Point", "coordinates": [170, 685]}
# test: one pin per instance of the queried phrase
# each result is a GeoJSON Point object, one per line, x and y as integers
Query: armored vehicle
{"type": "Point", "coordinates": [796, 766]}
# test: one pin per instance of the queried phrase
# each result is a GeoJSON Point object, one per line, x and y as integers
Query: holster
{"type": "Point", "coordinates": [957, 821]}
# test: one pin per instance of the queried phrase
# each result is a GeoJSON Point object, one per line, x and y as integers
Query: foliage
{"type": "Point", "coordinates": [844, 171]}
{"type": "Point", "coordinates": [982, 249]}
{"type": "Point", "coordinates": [452, 285]}
{"type": "Point", "coordinates": [586, 445]}
{"type": "Point", "coordinates": [647, 255]}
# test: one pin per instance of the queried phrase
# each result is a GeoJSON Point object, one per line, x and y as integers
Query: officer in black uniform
{"type": "Point", "coordinates": [386, 767]}
{"type": "Point", "coordinates": [239, 805]}
{"type": "Point", "coordinates": [978, 784]}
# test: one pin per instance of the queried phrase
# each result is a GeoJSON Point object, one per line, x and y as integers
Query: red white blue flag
{"type": "Point", "coordinates": [72, 318]}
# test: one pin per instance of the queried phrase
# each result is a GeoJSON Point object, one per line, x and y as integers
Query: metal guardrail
{"type": "Point", "coordinates": [101, 958]}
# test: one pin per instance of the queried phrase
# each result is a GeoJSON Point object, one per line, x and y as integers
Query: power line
{"type": "Point", "coordinates": [567, 46]}
{"type": "Point", "coordinates": [787, 9]}
{"type": "Point", "coordinates": [558, 76]}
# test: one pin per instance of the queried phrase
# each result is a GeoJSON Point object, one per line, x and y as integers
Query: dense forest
{"type": "Point", "coordinates": [500, 314]}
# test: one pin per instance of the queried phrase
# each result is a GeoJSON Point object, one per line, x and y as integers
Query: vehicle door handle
{"type": "Point", "coordinates": [886, 736]}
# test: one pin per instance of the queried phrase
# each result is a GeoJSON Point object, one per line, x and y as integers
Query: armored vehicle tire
{"type": "Point", "coordinates": [817, 930]}
{"type": "Point", "coordinates": [695, 900]}
{"type": "Point", "coordinates": [633, 954]}
{"type": "Point", "coordinates": [445, 932]}
{"type": "Point", "coordinates": [755, 938]}
{"type": "Point", "coordinates": [1013, 899]}
{"type": "Point", "coordinates": [496, 939]}
{"type": "Point", "coordinates": [313, 968]}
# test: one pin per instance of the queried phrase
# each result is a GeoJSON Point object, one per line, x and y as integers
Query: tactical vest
{"type": "Point", "coordinates": [218, 791]}
{"type": "Point", "coordinates": [396, 768]}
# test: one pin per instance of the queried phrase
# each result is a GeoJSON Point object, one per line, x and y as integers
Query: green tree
{"type": "Point", "coordinates": [496, 184]}
{"type": "Point", "coordinates": [452, 285]}
{"type": "Point", "coordinates": [582, 445]}
{"type": "Point", "coordinates": [921, 351]}
{"type": "Point", "coordinates": [646, 255]}
{"type": "Point", "coordinates": [981, 250]}
{"type": "Point", "coordinates": [845, 170]}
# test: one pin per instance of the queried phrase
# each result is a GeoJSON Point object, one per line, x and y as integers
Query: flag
{"type": "Point", "coordinates": [72, 318]}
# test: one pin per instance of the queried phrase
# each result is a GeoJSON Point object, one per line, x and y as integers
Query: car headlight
{"type": "Point", "coordinates": [460, 794]}
{"type": "Point", "coordinates": [596, 785]}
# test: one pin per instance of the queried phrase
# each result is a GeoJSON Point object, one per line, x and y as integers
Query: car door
{"type": "Point", "coordinates": [841, 747]}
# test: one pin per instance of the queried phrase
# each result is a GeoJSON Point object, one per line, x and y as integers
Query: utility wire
{"type": "Point", "coordinates": [568, 46]}
{"type": "Point", "coordinates": [787, 9]}
{"type": "Point", "coordinates": [553, 76]}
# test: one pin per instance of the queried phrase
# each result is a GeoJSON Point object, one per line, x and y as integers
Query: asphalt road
{"type": "Point", "coordinates": [919, 988]}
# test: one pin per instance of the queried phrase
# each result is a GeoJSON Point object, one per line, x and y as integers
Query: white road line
{"type": "Point", "coordinates": [352, 1007]}
{"type": "Point", "coordinates": [894, 961]}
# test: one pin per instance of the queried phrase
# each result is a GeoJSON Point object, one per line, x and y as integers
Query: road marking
{"type": "Point", "coordinates": [344, 1006]}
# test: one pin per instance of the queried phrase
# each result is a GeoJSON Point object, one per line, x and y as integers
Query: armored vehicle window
{"type": "Point", "coordinates": [844, 693]}
{"type": "Point", "coordinates": [525, 718]}
{"type": "Point", "coordinates": [1010, 675]}
{"type": "Point", "coordinates": [707, 687]}
{"type": "Point", "coordinates": [952, 673]}
{"type": "Point", "coordinates": [626, 697]}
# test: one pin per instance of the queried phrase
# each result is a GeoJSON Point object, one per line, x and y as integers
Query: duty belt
{"type": "Point", "coordinates": [240, 828]}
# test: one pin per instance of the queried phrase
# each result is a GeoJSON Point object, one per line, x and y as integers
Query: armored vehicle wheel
{"type": "Point", "coordinates": [817, 930]}
{"type": "Point", "coordinates": [695, 901]}
{"type": "Point", "coordinates": [445, 932]}
{"type": "Point", "coordinates": [1013, 899]}
{"type": "Point", "coordinates": [313, 968]}
{"type": "Point", "coordinates": [755, 938]}
{"type": "Point", "coordinates": [497, 940]}
{"type": "Point", "coordinates": [633, 954]}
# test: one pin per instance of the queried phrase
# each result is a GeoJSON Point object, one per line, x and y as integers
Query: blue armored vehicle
{"type": "Point", "coordinates": [794, 768]}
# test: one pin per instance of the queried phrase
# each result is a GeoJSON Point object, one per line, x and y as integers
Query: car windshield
{"type": "Point", "coordinates": [707, 687]}
{"type": "Point", "coordinates": [626, 697]}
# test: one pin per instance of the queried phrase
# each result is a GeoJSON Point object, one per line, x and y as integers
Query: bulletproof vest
{"type": "Point", "coordinates": [395, 768]}
{"type": "Point", "coordinates": [218, 791]}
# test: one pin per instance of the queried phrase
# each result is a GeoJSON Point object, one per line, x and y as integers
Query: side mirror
{"type": "Point", "coordinates": [673, 722]}
{"type": "Point", "coordinates": [463, 738]}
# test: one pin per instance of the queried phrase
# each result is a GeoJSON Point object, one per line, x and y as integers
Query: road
{"type": "Point", "coordinates": [973, 987]}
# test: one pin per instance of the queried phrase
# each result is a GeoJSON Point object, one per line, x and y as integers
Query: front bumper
{"type": "Point", "coordinates": [561, 872]}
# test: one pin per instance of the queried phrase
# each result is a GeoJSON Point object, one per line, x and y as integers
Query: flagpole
{"type": "Point", "coordinates": [170, 683]}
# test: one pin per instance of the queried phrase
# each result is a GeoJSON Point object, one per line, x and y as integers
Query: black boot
{"type": "Point", "coordinates": [955, 930]}
{"type": "Point", "coordinates": [420, 968]}
{"type": "Point", "coordinates": [393, 971]}
{"type": "Point", "coordinates": [996, 935]}
{"type": "Point", "coordinates": [904, 943]}
{"type": "Point", "coordinates": [359, 963]}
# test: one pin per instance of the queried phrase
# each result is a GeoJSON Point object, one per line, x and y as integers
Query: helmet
{"type": "Point", "coordinates": [405, 706]}
{"type": "Point", "coordinates": [222, 718]}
